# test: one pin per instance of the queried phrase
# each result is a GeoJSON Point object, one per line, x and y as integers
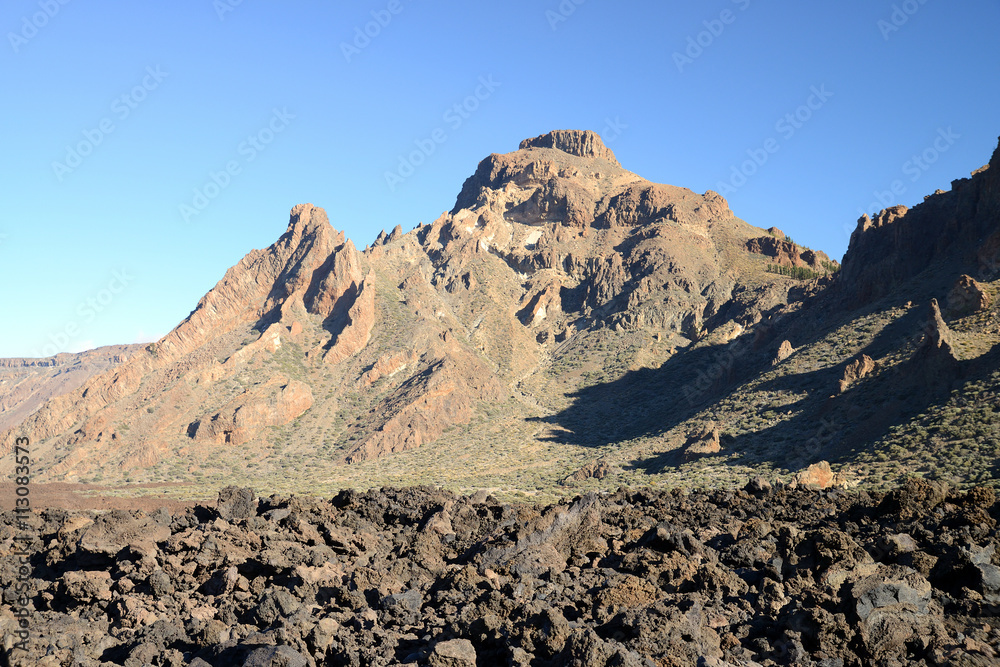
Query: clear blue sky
{"type": "Point", "coordinates": [159, 96]}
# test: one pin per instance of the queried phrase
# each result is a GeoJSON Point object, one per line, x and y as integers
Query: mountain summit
{"type": "Point", "coordinates": [582, 144]}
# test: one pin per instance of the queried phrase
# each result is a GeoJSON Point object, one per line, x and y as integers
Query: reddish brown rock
{"type": "Point", "coordinates": [858, 369]}
{"type": "Point", "coordinates": [342, 275]}
{"type": "Point", "coordinates": [423, 406]}
{"type": "Point", "coordinates": [816, 475]}
{"type": "Point", "coordinates": [358, 327]}
{"type": "Point", "coordinates": [88, 586]}
{"type": "Point", "coordinates": [273, 404]}
{"type": "Point", "coordinates": [786, 253]}
{"type": "Point", "coordinates": [967, 297]}
{"type": "Point", "coordinates": [387, 366]}
{"type": "Point", "coordinates": [785, 350]}
{"type": "Point", "coordinates": [26, 384]}
{"type": "Point", "coordinates": [547, 248]}
{"type": "Point", "coordinates": [598, 469]}
{"type": "Point", "coordinates": [703, 442]}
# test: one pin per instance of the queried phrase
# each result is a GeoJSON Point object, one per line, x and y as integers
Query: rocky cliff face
{"type": "Point", "coordinates": [956, 227]}
{"type": "Point", "coordinates": [582, 144]}
{"type": "Point", "coordinates": [788, 254]}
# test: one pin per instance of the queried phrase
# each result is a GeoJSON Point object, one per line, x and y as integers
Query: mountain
{"type": "Point", "coordinates": [567, 322]}
{"type": "Point", "coordinates": [25, 384]}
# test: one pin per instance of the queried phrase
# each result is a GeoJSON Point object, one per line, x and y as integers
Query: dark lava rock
{"type": "Point", "coordinates": [236, 503]}
{"type": "Point", "coordinates": [756, 576]}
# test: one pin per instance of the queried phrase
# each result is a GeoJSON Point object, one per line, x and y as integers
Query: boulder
{"type": "Point", "coordinates": [235, 503]}
{"type": "Point", "coordinates": [821, 476]}
{"type": "Point", "coordinates": [275, 656]}
{"type": "Point", "coordinates": [88, 586]}
{"type": "Point", "coordinates": [598, 469]}
{"type": "Point", "coordinates": [453, 653]}
{"type": "Point", "coordinates": [118, 529]}
{"type": "Point", "coordinates": [967, 297]}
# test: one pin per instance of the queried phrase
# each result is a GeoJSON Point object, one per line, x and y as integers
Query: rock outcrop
{"type": "Point", "coordinates": [956, 228]}
{"type": "Point", "coordinates": [967, 297]}
{"type": "Point", "coordinates": [704, 441]}
{"type": "Point", "coordinates": [420, 409]}
{"type": "Point", "coordinates": [582, 144]}
{"type": "Point", "coordinates": [821, 476]}
{"type": "Point", "coordinates": [787, 253]}
{"type": "Point", "coordinates": [785, 350]}
{"type": "Point", "coordinates": [938, 340]}
{"type": "Point", "coordinates": [275, 403]}
{"type": "Point", "coordinates": [598, 469]}
{"type": "Point", "coordinates": [858, 369]}
{"type": "Point", "coordinates": [558, 275]}
{"type": "Point", "coordinates": [26, 384]}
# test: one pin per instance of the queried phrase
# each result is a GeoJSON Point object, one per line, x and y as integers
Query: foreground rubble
{"type": "Point", "coordinates": [420, 576]}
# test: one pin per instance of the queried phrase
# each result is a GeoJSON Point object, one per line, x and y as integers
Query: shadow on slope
{"type": "Point", "coordinates": [837, 427]}
{"type": "Point", "coordinates": [647, 401]}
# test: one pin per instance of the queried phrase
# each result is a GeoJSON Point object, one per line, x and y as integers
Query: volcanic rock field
{"type": "Point", "coordinates": [757, 576]}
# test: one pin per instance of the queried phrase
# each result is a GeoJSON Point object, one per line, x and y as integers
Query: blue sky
{"type": "Point", "coordinates": [149, 146]}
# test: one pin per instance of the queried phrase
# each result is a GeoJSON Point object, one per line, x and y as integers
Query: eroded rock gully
{"type": "Point", "coordinates": [765, 575]}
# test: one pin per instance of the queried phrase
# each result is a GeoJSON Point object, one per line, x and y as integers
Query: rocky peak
{"type": "Point", "coordinates": [582, 143]}
{"type": "Point", "coordinates": [305, 217]}
{"type": "Point", "coordinates": [787, 253]}
{"type": "Point", "coordinates": [559, 166]}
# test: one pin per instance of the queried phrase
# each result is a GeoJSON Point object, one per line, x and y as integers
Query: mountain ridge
{"type": "Point", "coordinates": [557, 287]}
